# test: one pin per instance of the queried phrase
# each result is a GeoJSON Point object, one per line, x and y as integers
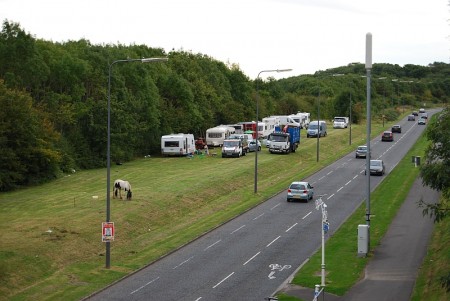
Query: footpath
{"type": "Point", "coordinates": [391, 273]}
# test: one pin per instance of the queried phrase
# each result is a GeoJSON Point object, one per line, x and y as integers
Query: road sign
{"type": "Point", "coordinates": [107, 231]}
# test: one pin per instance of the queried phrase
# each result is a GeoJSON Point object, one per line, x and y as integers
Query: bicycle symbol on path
{"type": "Point", "coordinates": [277, 267]}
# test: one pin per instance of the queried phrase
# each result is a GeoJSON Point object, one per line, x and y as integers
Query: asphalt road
{"type": "Point", "coordinates": [251, 256]}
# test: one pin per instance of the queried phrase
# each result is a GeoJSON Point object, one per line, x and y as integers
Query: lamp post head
{"type": "Point", "coordinates": [154, 59]}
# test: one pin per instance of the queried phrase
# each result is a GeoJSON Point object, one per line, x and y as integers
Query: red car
{"type": "Point", "coordinates": [387, 136]}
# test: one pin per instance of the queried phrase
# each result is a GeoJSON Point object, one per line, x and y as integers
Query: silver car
{"type": "Point", "coordinates": [361, 151]}
{"type": "Point", "coordinates": [300, 191]}
{"type": "Point", "coordinates": [254, 145]}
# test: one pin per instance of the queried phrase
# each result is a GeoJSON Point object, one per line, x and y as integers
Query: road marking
{"type": "Point", "coordinates": [321, 178]}
{"type": "Point", "coordinates": [307, 215]}
{"type": "Point", "coordinates": [329, 173]}
{"type": "Point", "coordinates": [198, 298]}
{"type": "Point", "coordinates": [355, 177]}
{"type": "Point", "coordinates": [258, 216]}
{"type": "Point", "coordinates": [291, 227]}
{"type": "Point", "coordinates": [273, 241]}
{"type": "Point", "coordinates": [275, 206]}
{"type": "Point", "coordinates": [138, 289]}
{"type": "Point", "coordinates": [330, 196]}
{"type": "Point", "coordinates": [182, 263]}
{"type": "Point", "coordinates": [251, 258]}
{"type": "Point", "coordinates": [212, 244]}
{"type": "Point", "coordinates": [348, 183]}
{"type": "Point", "coordinates": [238, 229]}
{"type": "Point", "coordinates": [223, 280]}
{"type": "Point", "coordinates": [340, 189]}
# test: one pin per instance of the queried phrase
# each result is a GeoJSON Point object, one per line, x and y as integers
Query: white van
{"type": "Point", "coordinates": [317, 127]}
{"type": "Point", "coordinates": [340, 122]}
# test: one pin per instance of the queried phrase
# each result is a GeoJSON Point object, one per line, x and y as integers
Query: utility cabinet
{"type": "Point", "coordinates": [363, 240]}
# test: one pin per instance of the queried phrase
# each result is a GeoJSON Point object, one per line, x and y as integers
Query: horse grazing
{"type": "Point", "coordinates": [119, 185]}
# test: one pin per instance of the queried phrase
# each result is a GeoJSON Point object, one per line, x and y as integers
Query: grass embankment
{"type": "Point", "coordinates": [344, 268]}
{"type": "Point", "coordinates": [51, 245]}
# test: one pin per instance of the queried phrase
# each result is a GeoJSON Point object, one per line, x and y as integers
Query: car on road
{"type": "Point", "coordinates": [411, 117]}
{"type": "Point", "coordinates": [254, 145]}
{"type": "Point", "coordinates": [361, 151]}
{"type": "Point", "coordinates": [387, 136]}
{"type": "Point", "coordinates": [396, 128]}
{"type": "Point", "coordinates": [415, 113]}
{"type": "Point", "coordinates": [422, 121]}
{"type": "Point", "coordinates": [300, 191]}
{"type": "Point", "coordinates": [376, 167]}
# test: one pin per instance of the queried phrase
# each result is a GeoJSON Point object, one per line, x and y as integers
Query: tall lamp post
{"type": "Point", "coordinates": [257, 113]}
{"type": "Point", "coordinates": [368, 70]}
{"type": "Point", "coordinates": [108, 147]}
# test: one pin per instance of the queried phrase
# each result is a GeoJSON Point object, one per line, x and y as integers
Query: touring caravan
{"type": "Point", "coordinates": [216, 135]}
{"type": "Point", "coordinates": [269, 125]}
{"type": "Point", "coordinates": [301, 117]}
{"type": "Point", "coordinates": [177, 144]}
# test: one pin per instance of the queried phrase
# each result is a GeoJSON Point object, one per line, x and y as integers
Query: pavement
{"type": "Point", "coordinates": [392, 271]}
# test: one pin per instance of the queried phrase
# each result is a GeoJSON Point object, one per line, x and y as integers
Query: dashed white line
{"type": "Point", "coordinates": [291, 227]}
{"type": "Point", "coordinates": [273, 241]}
{"type": "Point", "coordinates": [307, 215]}
{"type": "Point", "coordinates": [355, 177]}
{"type": "Point", "coordinates": [175, 267]}
{"type": "Point", "coordinates": [258, 216]}
{"type": "Point", "coordinates": [348, 183]}
{"type": "Point", "coordinates": [342, 187]}
{"type": "Point", "coordinates": [198, 298]}
{"type": "Point", "coordinates": [138, 289]}
{"type": "Point", "coordinates": [253, 257]}
{"type": "Point", "coordinates": [238, 229]}
{"type": "Point", "coordinates": [329, 173]}
{"type": "Point", "coordinates": [223, 280]}
{"type": "Point", "coordinates": [212, 245]}
{"type": "Point", "coordinates": [321, 178]}
{"type": "Point", "coordinates": [275, 206]}
{"type": "Point", "coordinates": [332, 195]}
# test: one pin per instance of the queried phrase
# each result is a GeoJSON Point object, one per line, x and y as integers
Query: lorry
{"type": "Point", "coordinates": [340, 122]}
{"type": "Point", "coordinates": [177, 144]}
{"type": "Point", "coordinates": [233, 148]}
{"type": "Point", "coordinates": [284, 140]}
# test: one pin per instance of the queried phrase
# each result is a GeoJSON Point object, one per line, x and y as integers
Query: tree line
{"type": "Point", "coordinates": [54, 95]}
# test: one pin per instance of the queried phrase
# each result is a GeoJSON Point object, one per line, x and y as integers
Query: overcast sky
{"type": "Point", "coordinates": [305, 35]}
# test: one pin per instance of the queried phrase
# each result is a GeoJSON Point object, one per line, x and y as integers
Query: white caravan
{"type": "Point", "coordinates": [216, 135]}
{"type": "Point", "coordinates": [177, 144]}
{"type": "Point", "coordinates": [269, 125]}
{"type": "Point", "coordinates": [287, 120]}
{"type": "Point", "coordinates": [303, 118]}
{"type": "Point", "coordinates": [340, 122]}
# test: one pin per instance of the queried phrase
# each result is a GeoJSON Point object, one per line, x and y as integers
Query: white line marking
{"type": "Point", "coordinates": [291, 227]}
{"type": "Point", "coordinates": [251, 258]}
{"type": "Point", "coordinates": [355, 177]}
{"type": "Point", "coordinates": [307, 215]}
{"type": "Point", "coordinates": [330, 196]}
{"type": "Point", "coordinates": [340, 189]}
{"type": "Point", "coordinates": [321, 178]}
{"type": "Point", "coordinates": [198, 298]}
{"type": "Point", "coordinates": [212, 244]}
{"type": "Point", "coordinates": [223, 280]}
{"type": "Point", "coordinates": [273, 241]}
{"type": "Point", "coordinates": [138, 289]}
{"type": "Point", "coordinates": [238, 229]}
{"type": "Point", "coordinates": [275, 206]}
{"type": "Point", "coordinates": [329, 173]}
{"type": "Point", "coordinates": [258, 216]}
{"type": "Point", "coordinates": [348, 183]}
{"type": "Point", "coordinates": [182, 263]}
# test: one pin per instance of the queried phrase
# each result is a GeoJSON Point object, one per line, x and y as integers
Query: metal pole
{"type": "Point", "coordinates": [323, 247]}
{"type": "Point", "coordinates": [108, 150]}
{"type": "Point", "coordinates": [350, 122]}
{"type": "Point", "coordinates": [368, 70]}
{"type": "Point", "coordinates": [318, 125]}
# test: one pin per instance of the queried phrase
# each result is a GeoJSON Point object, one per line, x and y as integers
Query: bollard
{"type": "Point", "coordinates": [417, 162]}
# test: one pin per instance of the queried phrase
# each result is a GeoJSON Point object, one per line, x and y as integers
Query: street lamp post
{"type": "Point", "coordinates": [257, 113]}
{"type": "Point", "coordinates": [108, 147]}
{"type": "Point", "coordinates": [368, 70]}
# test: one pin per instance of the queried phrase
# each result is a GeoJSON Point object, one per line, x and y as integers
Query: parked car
{"type": "Point", "coordinates": [254, 145]}
{"type": "Point", "coordinates": [376, 167]}
{"type": "Point", "coordinates": [387, 136]}
{"type": "Point", "coordinates": [411, 117]}
{"type": "Point", "coordinates": [422, 121]}
{"type": "Point", "coordinates": [300, 191]}
{"type": "Point", "coordinates": [396, 128]}
{"type": "Point", "coordinates": [361, 151]}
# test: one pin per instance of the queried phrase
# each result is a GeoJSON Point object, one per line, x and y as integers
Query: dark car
{"type": "Point", "coordinates": [377, 167]}
{"type": "Point", "coordinates": [411, 117]}
{"type": "Point", "coordinates": [415, 113]}
{"type": "Point", "coordinates": [396, 128]}
{"type": "Point", "coordinates": [387, 136]}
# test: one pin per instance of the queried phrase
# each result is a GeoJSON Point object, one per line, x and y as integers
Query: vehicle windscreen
{"type": "Point", "coordinates": [297, 187]}
{"type": "Point", "coordinates": [375, 163]}
{"type": "Point", "coordinates": [276, 138]}
{"type": "Point", "coordinates": [230, 143]}
{"type": "Point", "coordinates": [312, 127]}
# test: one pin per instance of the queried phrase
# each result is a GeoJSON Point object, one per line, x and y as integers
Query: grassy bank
{"type": "Point", "coordinates": [51, 234]}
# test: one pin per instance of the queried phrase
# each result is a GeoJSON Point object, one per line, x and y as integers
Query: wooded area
{"type": "Point", "coordinates": [54, 100]}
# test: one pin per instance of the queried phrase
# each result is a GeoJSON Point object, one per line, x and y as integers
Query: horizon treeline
{"type": "Point", "coordinates": [54, 99]}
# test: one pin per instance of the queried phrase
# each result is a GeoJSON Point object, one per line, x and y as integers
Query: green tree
{"type": "Point", "coordinates": [436, 170]}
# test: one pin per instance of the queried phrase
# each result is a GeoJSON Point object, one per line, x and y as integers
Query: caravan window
{"type": "Point", "coordinates": [215, 135]}
{"type": "Point", "coordinates": [171, 143]}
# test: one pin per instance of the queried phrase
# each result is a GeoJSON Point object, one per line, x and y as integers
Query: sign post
{"type": "Point", "coordinates": [107, 231]}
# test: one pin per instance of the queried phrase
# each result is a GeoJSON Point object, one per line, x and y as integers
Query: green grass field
{"type": "Point", "coordinates": [51, 245]}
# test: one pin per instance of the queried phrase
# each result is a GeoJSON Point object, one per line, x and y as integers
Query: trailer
{"type": "Point", "coordinates": [269, 125]}
{"type": "Point", "coordinates": [285, 140]}
{"type": "Point", "coordinates": [216, 135]}
{"type": "Point", "coordinates": [177, 144]}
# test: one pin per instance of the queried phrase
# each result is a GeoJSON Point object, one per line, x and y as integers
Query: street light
{"type": "Point", "coordinates": [256, 128]}
{"type": "Point", "coordinates": [108, 147]}
{"type": "Point", "coordinates": [368, 70]}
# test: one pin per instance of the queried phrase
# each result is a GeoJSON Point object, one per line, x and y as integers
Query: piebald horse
{"type": "Point", "coordinates": [119, 185]}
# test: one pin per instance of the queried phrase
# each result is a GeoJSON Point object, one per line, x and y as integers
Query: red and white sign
{"type": "Point", "coordinates": [107, 231]}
